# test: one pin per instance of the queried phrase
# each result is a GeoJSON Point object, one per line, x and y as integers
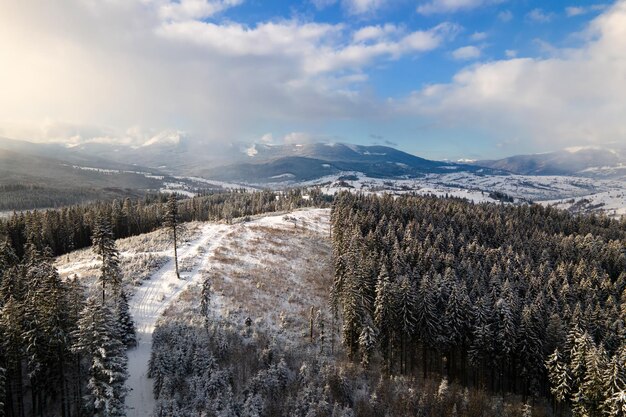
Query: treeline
{"type": "Point", "coordinates": [30, 196]}
{"type": "Point", "coordinates": [70, 228]}
{"type": "Point", "coordinates": [203, 365]}
{"type": "Point", "coordinates": [520, 299]}
{"type": "Point", "coordinates": [60, 353]}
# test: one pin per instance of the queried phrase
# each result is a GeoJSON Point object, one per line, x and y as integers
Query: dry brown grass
{"type": "Point", "coordinates": [275, 275]}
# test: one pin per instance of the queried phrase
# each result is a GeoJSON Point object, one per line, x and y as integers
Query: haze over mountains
{"type": "Point", "coordinates": [262, 163]}
{"type": "Point", "coordinates": [584, 161]}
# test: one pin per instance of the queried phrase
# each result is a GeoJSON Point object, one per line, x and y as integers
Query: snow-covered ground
{"type": "Point", "coordinates": [575, 193]}
{"type": "Point", "coordinates": [613, 203]}
{"type": "Point", "coordinates": [272, 269]}
{"type": "Point", "coordinates": [147, 304]}
{"type": "Point", "coordinates": [518, 186]}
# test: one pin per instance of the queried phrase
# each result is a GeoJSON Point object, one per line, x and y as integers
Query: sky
{"type": "Point", "coordinates": [443, 79]}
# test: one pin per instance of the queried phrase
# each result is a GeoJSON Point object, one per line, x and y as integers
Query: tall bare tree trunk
{"type": "Point", "coordinates": [176, 252]}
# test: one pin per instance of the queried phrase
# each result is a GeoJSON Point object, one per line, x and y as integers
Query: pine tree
{"type": "Point", "coordinates": [103, 245]}
{"type": "Point", "coordinates": [530, 349]}
{"type": "Point", "coordinates": [125, 321]}
{"type": "Point", "coordinates": [559, 377]}
{"type": "Point", "coordinates": [11, 343]}
{"type": "Point", "coordinates": [428, 319]}
{"type": "Point", "coordinates": [407, 304]}
{"type": "Point", "coordinates": [205, 301]}
{"type": "Point", "coordinates": [3, 381]}
{"type": "Point", "coordinates": [98, 339]}
{"type": "Point", "coordinates": [367, 343]}
{"type": "Point", "coordinates": [614, 376]}
{"type": "Point", "coordinates": [170, 221]}
{"type": "Point", "coordinates": [384, 312]}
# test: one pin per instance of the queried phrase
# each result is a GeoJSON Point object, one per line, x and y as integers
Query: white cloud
{"type": "Point", "coordinates": [159, 64]}
{"type": "Point", "coordinates": [575, 96]}
{"type": "Point", "coordinates": [574, 11]}
{"type": "Point", "coordinates": [370, 33]}
{"type": "Point", "coordinates": [505, 16]}
{"type": "Point", "coordinates": [466, 53]}
{"type": "Point", "coordinates": [322, 4]}
{"type": "Point", "coordinates": [450, 6]}
{"type": "Point", "coordinates": [538, 15]}
{"type": "Point", "coordinates": [195, 9]}
{"type": "Point", "coordinates": [510, 53]}
{"type": "Point", "coordinates": [581, 10]}
{"type": "Point", "coordinates": [267, 138]}
{"type": "Point", "coordinates": [358, 7]}
{"type": "Point", "coordinates": [296, 138]}
{"type": "Point", "coordinates": [478, 36]}
{"type": "Point", "coordinates": [353, 7]}
{"type": "Point", "coordinates": [314, 48]}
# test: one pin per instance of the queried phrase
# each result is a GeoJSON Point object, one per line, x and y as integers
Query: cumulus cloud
{"type": "Point", "coordinates": [195, 9]}
{"type": "Point", "coordinates": [505, 16]}
{"type": "Point", "coordinates": [322, 4]}
{"type": "Point", "coordinates": [581, 10]}
{"type": "Point", "coordinates": [575, 96]}
{"type": "Point", "coordinates": [449, 6]}
{"type": "Point", "coordinates": [353, 7]}
{"type": "Point", "coordinates": [466, 53]}
{"type": "Point", "coordinates": [478, 36]}
{"type": "Point", "coordinates": [540, 16]}
{"type": "Point", "coordinates": [378, 32]}
{"type": "Point", "coordinates": [165, 65]}
{"type": "Point", "coordinates": [364, 6]}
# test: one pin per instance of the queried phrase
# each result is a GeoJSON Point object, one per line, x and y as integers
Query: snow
{"type": "Point", "coordinates": [285, 175]}
{"type": "Point", "coordinates": [146, 306]}
{"type": "Point", "coordinates": [267, 244]}
{"type": "Point", "coordinates": [216, 183]}
{"type": "Point", "coordinates": [252, 151]}
{"type": "Point", "coordinates": [473, 186]}
{"type": "Point", "coordinates": [613, 203]}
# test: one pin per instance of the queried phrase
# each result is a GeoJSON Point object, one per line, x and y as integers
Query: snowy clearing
{"type": "Point", "coordinates": [149, 301]}
{"type": "Point", "coordinates": [273, 269]}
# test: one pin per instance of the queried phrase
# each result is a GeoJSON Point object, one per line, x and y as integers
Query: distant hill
{"type": "Point", "coordinates": [279, 163]}
{"type": "Point", "coordinates": [578, 161]}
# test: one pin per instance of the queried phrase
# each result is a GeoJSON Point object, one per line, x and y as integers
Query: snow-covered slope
{"type": "Point", "coordinates": [149, 301]}
{"type": "Point", "coordinates": [260, 269]}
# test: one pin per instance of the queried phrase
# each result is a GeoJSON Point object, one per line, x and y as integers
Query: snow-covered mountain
{"type": "Point", "coordinates": [580, 179]}
{"type": "Point", "coordinates": [579, 161]}
{"type": "Point", "coordinates": [304, 162]}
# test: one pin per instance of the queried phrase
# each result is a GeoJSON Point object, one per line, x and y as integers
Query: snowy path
{"type": "Point", "coordinates": [149, 302]}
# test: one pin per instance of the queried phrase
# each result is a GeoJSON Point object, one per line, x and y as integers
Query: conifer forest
{"type": "Point", "coordinates": [421, 306]}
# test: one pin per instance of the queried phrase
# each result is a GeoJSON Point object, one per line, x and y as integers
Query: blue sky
{"type": "Point", "coordinates": [438, 78]}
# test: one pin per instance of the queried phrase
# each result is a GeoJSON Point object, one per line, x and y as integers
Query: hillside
{"type": "Point", "coordinates": [582, 161]}
{"type": "Point", "coordinates": [259, 269]}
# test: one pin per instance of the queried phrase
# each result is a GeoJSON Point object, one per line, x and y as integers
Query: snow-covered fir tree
{"type": "Point", "coordinates": [98, 339]}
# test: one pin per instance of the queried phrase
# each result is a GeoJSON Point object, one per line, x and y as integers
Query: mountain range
{"type": "Point", "coordinates": [259, 163]}
{"type": "Point", "coordinates": [583, 161]}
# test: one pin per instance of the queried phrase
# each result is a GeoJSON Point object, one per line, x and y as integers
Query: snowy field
{"type": "Point", "coordinates": [140, 256]}
{"type": "Point", "coordinates": [518, 186]}
{"type": "Point", "coordinates": [576, 194]}
{"type": "Point", "coordinates": [613, 203]}
{"type": "Point", "coordinates": [272, 269]}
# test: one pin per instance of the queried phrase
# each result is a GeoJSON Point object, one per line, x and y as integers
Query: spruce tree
{"type": "Point", "coordinates": [367, 342]}
{"type": "Point", "coordinates": [171, 221]}
{"type": "Point", "coordinates": [125, 321]}
{"type": "Point", "coordinates": [103, 245]}
{"type": "Point", "coordinates": [384, 312]}
{"type": "Point", "coordinates": [3, 380]}
{"type": "Point", "coordinates": [205, 301]}
{"type": "Point", "coordinates": [98, 339]}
